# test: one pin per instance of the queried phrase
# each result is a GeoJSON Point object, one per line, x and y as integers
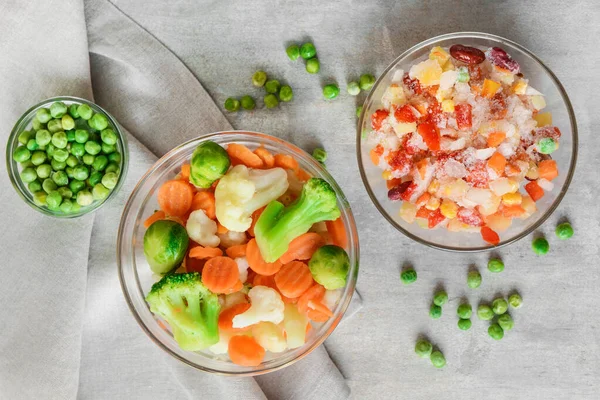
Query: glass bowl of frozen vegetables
{"type": "Point", "coordinates": [66, 157]}
{"type": "Point", "coordinates": [237, 253]}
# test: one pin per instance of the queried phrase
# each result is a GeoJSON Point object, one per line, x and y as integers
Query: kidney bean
{"type": "Point", "coordinates": [467, 54]}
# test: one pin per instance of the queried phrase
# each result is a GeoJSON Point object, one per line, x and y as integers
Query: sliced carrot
{"type": "Point", "coordinates": [547, 169]}
{"type": "Point", "coordinates": [244, 350]}
{"type": "Point", "coordinates": [423, 199]}
{"type": "Point", "coordinates": [489, 235]}
{"type": "Point", "coordinates": [512, 211]}
{"type": "Point", "coordinates": [497, 162]}
{"type": "Point", "coordinates": [236, 251]}
{"type": "Point", "coordinates": [337, 231]}
{"type": "Point", "coordinates": [235, 288]}
{"type": "Point", "coordinates": [316, 316]}
{"type": "Point", "coordinates": [221, 228]}
{"type": "Point", "coordinates": [293, 279]}
{"type": "Point", "coordinates": [157, 216]}
{"type": "Point", "coordinates": [220, 274]}
{"type": "Point", "coordinates": [205, 200]}
{"type": "Point", "coordinates": [226, 317]}
{"type": "Point", "coordinates": [314, 293]}
{"type": "Point", "coordinates": [393, 182]}
{"type": "Point", "coordinates": [245, 155]}
{"type": "Point", "coordinates": [495, 138]}
{"type": "Point", "coordinates": [318, 312]}
{"type": "Point", "coordinates": [302, 247]}
{"type": "Point", "coordinates": [175, 197]}
{"type": "Point", "coordinates": [302, 175]}
{"type": "Point", "coordinates": [185, 172]}
{"type": "Point", "coordinates": [255, 216]}
{"type": "Point", "coordinates": [286, 162]}
{"type": "Point", "coordinates": [202, 252]}
{"type": "Point", "coordinates": [266, 157]}
{"type": "Point", "coordinates": [264, 280]}
{"type": "Point", "coordinates": [422, 213]}
{"type": "Point", "coordinates": [534, 190]}
{"type": "Point", "coordinates": [257, 263]}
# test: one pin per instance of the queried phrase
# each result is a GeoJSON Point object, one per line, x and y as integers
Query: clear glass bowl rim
{"type": "Point", "coordinates": [470, 35]}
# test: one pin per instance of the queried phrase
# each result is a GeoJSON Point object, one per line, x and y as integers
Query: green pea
{"type": "Point", "coordinates": [92, 148]}
{"type": "Point", "coordinates": [464, 324]}
{"type": "Point", "coordinates": [546, 146]}
{"type": "Point", "coordinates": [37, 125]}
{"type": "Point", "coordinates": [70, 135]}
{"type": "Point", "coordinates": [53, 200]}
{"type": "Point", "coordinates": [28, 175]}
{"type": "Point", "coordinates": [84, 198]}
{"type": "Point", "coordinates": [66, 206]}
{"type": "Point", "coordinates": [27, 164]}
{"type": "Point", "coordinates": [331, 91]}
{"type": "Point", "coordinates": [247, 103]}
{"type": "Point", "coordinates": [108, 149]}
{"type": "Point", "coordinates": [38, 157]}
{"type": "Point", "coordinates": [67, 122]}
{"type": "Point", "coordinates": [232, 104]}
{"type": "Point", "coordinates": [463, 74]}
{"type": "Point", "coordinates": [73, 111]}
{"type": "Point", "coordinates": [115, 157]}
{"type": "Point", "coordinates": [43, 171]}
{"type": "Point", "coordinates": [34, 186]}
{"type": "Point", "coordinates": [437, 359]}
{"type": "Point", "coordinates": [515, 300]}
{"type": "Point", "coordinates": [272, 86]}
{"type": "Point", "coordinates": [72, 161]}
{"type": "Point", "coordinates": [495, 265]}
{"type": "Point", "coordinates": [358, 111]}
{"type": "Point", "coordinates": [353, 88]}
{"type": "Point", "coordinates": [58, 165]}
{"type": "Point", "coordinates": [98, 122]}
{"type": "Point", "coordinates": [95, 177]}
{"type": "Point", "coordinates": [100, 192]}
{"type": "Point", "coordinates": [21, 154]}
{"type": "Point", "coordinates": [112, 167]}
{"type": "Point", "coordinates": [110, 180]}
{"type": "Point", "coordinates": [69, 171]}
{"type": "Point", "coordinates": [320, 155]}
{"type": "Point", "coordinates": [39, 198]}
{"type": "Point", "coordinates": [49, 185]}
{"type": "Point", "coordinates": [32, 145]}
{"type": "Point", "coordinates": [499, 306]}
{"type": "Point", "coordinates": [43, 115]}
{"type": "Point", "coordinates": [58, 109]}
{"type": "Point", "coordinates": [474, 279]}
{"type": "Point", "coordinates": [84, 111]}
{"type": "Point", "coordinates": [55, 125]}
{"type": "Point", "coordinates": [308, 51]}
{"type": "Point", "coordinates": [506, 322]}
{"type": "Point", "coordinates": [59, 140]}
{"type": "Point", "coordinates": [60, 178]}
{"type": "Point", "coordinates": [60, 155]}
{"type": "Point", "coordinates": [366, 81]}
{"type": "Point", "coordinates": [293, 52]}
{"type": "Point", "coordinates": [495, 331]}
{"type": "Point", "coordinates": [78, 149]}
{"type": "Point", "coordinates": [25, 136]}
{"type": "Point", "coordinates": [271, 101]}
{"type": "Point", "coordinates": [81, 136]}
{"type": "Point", "coordinates": [286, 94]}
{"type": "Point", "coordinates": [65, 192]}
{"type": "Point", "coordinates": [313, 66]}
{"type": "Point", "coordinates": [540, 246]}
{"type": "Point", "coordinates": [80, 173]}
{"type": "Point", "coordinates": [43, 137]}
{"type": "Point", "coordinates": [564, 231]}
{"type": "Point", "coordinates": [88, 159]}
{"type": "Point", "coordinates": [440, 298]}
{"type": "Point", "coordinates": [100, 163]}
{"type": "Point", "coordinates": [259, 78]}
{"type": "Point", "coordinates": [435, 311]}
{"type": "Point", "coordinates": [76, 186]}
{"type": "Point", "coordinates": [50, 148]}
{"type": "Point", "coordinates": [423, 348]}
{"type": "Point", "coordinates": [108, 136]}
{"type": "Point", "coordinates": [464, 311]}
{"type": "Point", "coordinates": [408, 276]}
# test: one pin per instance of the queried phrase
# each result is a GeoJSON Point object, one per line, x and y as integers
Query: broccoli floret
{"type": "Point", "coordinates": [279, 225]}
{"type": "Point", "coordinates": [191, 310]}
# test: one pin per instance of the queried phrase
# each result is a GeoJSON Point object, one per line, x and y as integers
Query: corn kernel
{"type": "Point", "coordinates": [512, 199]}
{"type": "Point", "coordinates": [538, 102]}
{"type": "Point", "coordinates": [449, 209]}
{"type": "Point", "coordinates": [519, 87]}
{"type": "Point", "coordinates": [433, 186]}
{"type": "Point", "coordinates": [387, 175]}
{"type": "Point", "coordinates": [433, 203]}
{"type": "Point", "coordinates": [449, 66]}
{"type": "Point", "coordinates": [440, 55]}
{"type": "Point", "coordinates": [543, 119]}
{"type": "Point", "coordinates": [402, 128]}
{"type": "Point", "coordinates": [448, 106]}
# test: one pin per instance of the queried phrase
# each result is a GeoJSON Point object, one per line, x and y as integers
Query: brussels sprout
{"type": "Point", "coordinates": [209, 163]}
{"type": "Point", "coordinates": [165, 244]}
{"type": "Point", "coordinates": [329, 266]}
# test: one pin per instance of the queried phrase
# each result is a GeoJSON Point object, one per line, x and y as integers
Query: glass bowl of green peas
{"type": "Point", "coordinates": [66, 157]}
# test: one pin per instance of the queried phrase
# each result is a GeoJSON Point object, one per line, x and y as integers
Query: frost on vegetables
{"type": "Point", "coordinates": [461, 140]}
{"type": "Point", "coordinates": [257, 247]}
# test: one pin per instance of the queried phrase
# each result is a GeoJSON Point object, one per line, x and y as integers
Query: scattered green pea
{"type": "Point", "coordinates": [107, 148]}
{"type": "Point", "coordinates": [366, 81]}
{"type": "Point", "coordinates": [100, 163]}
{"type": "Point", "coordinates": [38, 157]}
{"type": "Point", "coordinates": [37, 125]}
{"type": "Point", "coordinates": [72, 161]}
{"type": "Point", "coordinates": [495, 331]}
{"type": "Point", "coordinates": [67, 122]}
{"type": "Point", "coordinates": [60, 155]}
{"type": "Point", "coordinates": [232, 104]}
{"type": "Point", "coordinates": [546, 146]}
{"type": "Point", "coordinates": [88, 159]}
{"type": "Point", "coordinates": [464, 324]}
{"type": "Point", "coordinates": [112, 167]}
{"type": "Point", "coordinates": [474, 279]}
{"type": "Point", "coordinates": [59, 140]}
{"type": "Point", "coordinates": [485, 312]}
{"type": "Point", "coordinates": [271, 101]}
{"type": "Point", "coordinates": [85, 111]}
{"type": "Point", "coordinates": [259, 78]}
{"type": "Point", "coordinates": [515, 300]}
{"type": "Point", "coordinates": [98, 122]}
{"type": "Point", "coordinates": [25, 136]}
{"type": "Point", "coordinates": [313, 66]}
{"type": "Point", "coordinates": [43, 171]}
{"type": "Point", "coordinates": [440, 298]}
{"type": "Point", "coordinates": [293, 52]}
{"type": "Point", "coordinates": [272, 86]}
{"type": "Point", "coordinates": [320, 155]}
{"type": "Point", "coordinates": [540, 246]}
{"type": "Point", "coordinates": [76, 185]}
{"type": "Point", "coordinates": [92, 147]}
{"type": "Point", "coordinates": [499, 306]}
{"type": "Point", "coordinates": [53, 200]}
{"type": "Point", "coordinates": [60, 178]}
{"type": "Point", "coordinates": [353, 88]}
{"type": "Point", "coordinates": [34, 186]}
{"type": "Point", "coordinates": [81, 136]}
{"type": "Point", "coordinates": [94, 179]}
{"type": "Point", "coordinates": [108, 136]}
{"type": "Point", "coordinates": [28, 175]}
{"type": "Point", "coordinates": [247, 103]}
{"type": "Point", "coordinates": [437, 359]}
{"type": "Point", "coordinates": [65, 192]}
{"type": "Point", "coordinates": [114, 157]}
{"type": "Point", "coordinates": [285, 93]}
{"type": "Point", "coordinates": [58, 165]}
{"type": "Point", "coordinates": [408, 276]}
{"type": "Point", "coordinates": [110, 180]}
{"type": "Point", "coordinates": [43, 137]}
{"type": "Point", "coordinates": [331, 91]}
{"type": "Point", "coordinates": [495, 265]}
{"type": "Point", "coordinates": [100, 192]}
{"type": "Point", "coordinates": [564, 231]}
{"type": "Point", "coordinates": [464, 311]}
{"type": "Point", "coordinates": [43, 115]}
{"type": "Point", "coordinates": [84, 198]}
{"type": "Point", "coordinates": [308, 51]}
{"type": "Point", "coordinates": [49, 185]}
{"type": "Point", "coordinates": [55, 125]}
{"type": "Point", "coordinates": [66, 206]}
{"type": "Point", "coordinates": [435, 311]}
{"type": "Point", "coordinates": [50, 148]}
{"type": "Point", "coordinates": [27, 164]}
{"type": "Point", "coordinates": [463, 74]}
{"type": "Point", "coordinates": [81, 173]}
{"type": "Point", "coordinates": [78, 149]}
{"type": "Point", "coordinates": [423, 348]}
{"type": "Point", "coordinates": [39, 198]}
{"type": "Point", "coordinates": [506, 322]}
{"type": "Point", "coordinates": [73, 111]}
{"type": "Point", "coordinates": [70, 135]}
{"type": "Point", "coordinates": [58, 109]}
{"type": "Point", "coordinates": [21, 154]}
{"type": "Point", "coordinates": [32, 145]}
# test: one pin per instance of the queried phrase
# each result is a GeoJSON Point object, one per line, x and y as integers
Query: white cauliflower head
{"type": "Point", "coordinates": [243, 266]}
{"type": "Point", "coordinates": [265, 305]}
{"type": "Point", "coordinates": [202, 229]}
{"type": "Point", "coordinates": [242, 191]}
{"type": "Point", "coordinates": [231, 238]}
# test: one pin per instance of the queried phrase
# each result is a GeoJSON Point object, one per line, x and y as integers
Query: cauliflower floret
{"type": "Point", "coordinates": [294, 324]}
{"type": "Point", "coordinates": [202, 229]}
{"type": "Point", "coordinates": [332, 297]}
{"type": "Point", "coordinates": [265, 305]}
{"type": "Point", "coordinates": [269, 336]}
{"type": "Point", "coordinates": [242, 264]}
{"type": "Point", "coordinates": [222, 346]}
{"type": "Point", "coordinates": [295, 185]}
{"type": "Point", "coordinates": [242, 191]}
{"type": "Point", "coordinates": [232, 299]}
{"type": "Point", "coordinates": [231, 238]}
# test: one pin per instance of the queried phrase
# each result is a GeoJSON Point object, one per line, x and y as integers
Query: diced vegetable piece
{"type": "Point", "coordinates": [534, 190]}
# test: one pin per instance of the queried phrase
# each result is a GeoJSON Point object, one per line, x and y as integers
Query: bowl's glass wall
{"type": "Point", "coordinates": [24, 123]}
{"type": "Point", "coordinates": [557, 103]}
{"type": "Point", "coordinates": [137, 278]}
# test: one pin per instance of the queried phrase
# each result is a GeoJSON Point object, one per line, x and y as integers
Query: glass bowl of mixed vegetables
{"type": "Point", "coordinates": [467, 142]}
{"type": "Point", "coordinates": [238, 253]}
{"type": "Point", "coordinates": [66, 157]}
